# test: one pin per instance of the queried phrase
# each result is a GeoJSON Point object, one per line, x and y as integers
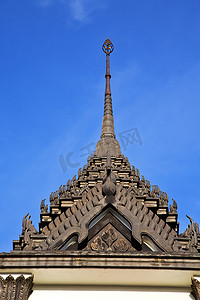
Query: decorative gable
{"type": "Point", "coordinates": [109, 207]}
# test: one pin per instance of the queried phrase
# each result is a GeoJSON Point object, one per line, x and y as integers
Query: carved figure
{"type": "Point", "coordinates": [68, 185]}
{"type": "Point", "coordinates": [129, 165]}
{"type": "Point", "coordinates": [173, 208]}
{"type": "Point", "coordinates": [193, 243]}
{"type": "Point", "coordinates": [24, 222]}
{"type": "Point", "coordinates": [148, 185]}
{"type": "Point", "coordinates": [133, 170]}
{"type": "Point", "coordinates": [79, 172]}
{"type": "Point", "coordinates": [27, 230]}
{"type": "Point", "coordinates": [155, 191]}
{"type": "Point", "coordinates": [109, 181]}
{"type": "Point", "coordinates": [74, 181]}
{"type": "Point", "coordinates": [54, 198]}
{"type": "Point", "coordinates": [43, 207]}
{"type": "Point", "coordinates": [51, 198]}
{"type": "Point", "coordinates": [191, 232]}
{"type": "Point", "coordinates": [163, 200]}
{"type": "Point", "coordinates": [137, 172]}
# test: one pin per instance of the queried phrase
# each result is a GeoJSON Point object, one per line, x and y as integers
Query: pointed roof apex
{"type": "Point", "coordinates": [108, 141]}
{"type": "Point", "coordinates": [108, 123]}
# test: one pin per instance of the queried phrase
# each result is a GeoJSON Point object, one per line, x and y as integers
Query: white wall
{"type": "Point", "coordinates": [107, 295]}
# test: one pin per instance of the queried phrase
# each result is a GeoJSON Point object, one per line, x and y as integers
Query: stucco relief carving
{"type": "Point", "coordinates": [15, 289]}
{"type": "Point", "coordinates": [110, 240]}
{"type": "Point", "coordinates": [195, 288]}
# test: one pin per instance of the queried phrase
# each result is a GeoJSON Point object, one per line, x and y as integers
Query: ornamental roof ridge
{"type": "Point", "coordinates": [74, 222]}
{"type": "Point", "coordinates": [126, 197]}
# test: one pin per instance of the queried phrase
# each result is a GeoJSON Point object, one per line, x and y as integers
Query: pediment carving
{"type": "Point", "coordinates": [109, 240]}
{"type": "Point", "coordinates": [142, 223]}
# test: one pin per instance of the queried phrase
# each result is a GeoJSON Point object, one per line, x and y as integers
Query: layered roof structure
{"type": "Point", "coordinates": [109, 208]}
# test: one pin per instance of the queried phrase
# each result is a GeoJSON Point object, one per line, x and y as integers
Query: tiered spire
{"type": "Point", "coordinates": [108, 123]}
{"type": "Point", "coordinates": [108, 141]}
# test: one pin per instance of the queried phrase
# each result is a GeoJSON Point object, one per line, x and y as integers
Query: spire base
{"type": "Point", "coordinates": [108, 144]}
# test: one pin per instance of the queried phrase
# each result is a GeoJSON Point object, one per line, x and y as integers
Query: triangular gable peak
{"type": "Point", "coordinates": [109, 207]}
{"type": "Point", "coordinates": [98, 222]}
{"type": "Point", "coordinates": [121, 224]}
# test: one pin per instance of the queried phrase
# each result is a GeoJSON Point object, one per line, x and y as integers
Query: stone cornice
{"type": "Point", "coordinates": [76, 259]}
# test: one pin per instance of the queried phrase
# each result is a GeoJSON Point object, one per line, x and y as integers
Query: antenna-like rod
{"type": "Point", "coordinates": [108, 124]}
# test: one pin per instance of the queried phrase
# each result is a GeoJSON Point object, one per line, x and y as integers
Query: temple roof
{"type": "Point", "coordinates": [109, 207]}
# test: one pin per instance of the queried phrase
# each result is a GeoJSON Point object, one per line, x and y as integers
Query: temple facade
{"type": "Point", "coordinates": [107, 233]}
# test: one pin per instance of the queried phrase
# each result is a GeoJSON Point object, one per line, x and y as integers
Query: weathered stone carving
{"type": "Point", "coordinates": [15, 289]}
{"type": "Point", "coordinates": [195, 288]}
{"type": "Point", "coordinates": [27, 224]}
{"type": "Point", "coordinates": [98, 244]}
{"type": "Point", "coordinates": [173, 208]}
{"type": "Point", "coordinates": [69, 184]}
{"type": "Point", "coordinates": [109, 236]}
{"type": "Point", "coordinates": [43, 207]}
{"type": "Point", "coordinates": [121, 245]}
{"type": "Point", "coordinates": [192, 234]}
{"type": "Point", "coordinates": [155, 191]}
{"type": "Point", "coordinates": [143, 179]}
{"type": "Point", "coordinates": [109, 181]}
{"type": "Point", "coordinates": [74, 181]}
{"type": "Point", "coordinates": [80, 174]}
{"type": "Point", "coordinates": [137, 173]}
{"type": "Point", "coordinates": [54, 198]}
{"type": "Point", "coordinates": [62, 190]}
{"type": "Point", "coordinates": [109, 240]}
{"type": "Point", "coordinates": [163, 200]}
{"type": "Point", "coordinates": [27, 230]}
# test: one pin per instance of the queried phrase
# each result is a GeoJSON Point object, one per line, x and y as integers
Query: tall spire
{"type": "Point", "coordinates": [108, 123]}
{"type": "Point", "coordinates": [108, 141]}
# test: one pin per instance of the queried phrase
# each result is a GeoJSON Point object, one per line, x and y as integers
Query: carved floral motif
{"type": "Point", "coordinates": [109, 240]}
{"type": "Point", "coordinates": [109, 236]}
{"type": "Point", "coordinates": [98, 244]}
{"type": "Point", "coordinates": [121, 245]}
{"type": "Point", "coordinates": [19, 288]}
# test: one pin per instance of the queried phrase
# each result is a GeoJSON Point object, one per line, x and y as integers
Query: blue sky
{"type": "Point", "coordinates": [52, 91]}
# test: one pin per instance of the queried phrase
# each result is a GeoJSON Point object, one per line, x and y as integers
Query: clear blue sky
{"type": "Point", "coordinates": [52, 90]}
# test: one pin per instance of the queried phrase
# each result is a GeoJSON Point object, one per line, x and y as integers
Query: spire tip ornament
{"type": "Point", "coordinates": [108, 47]}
